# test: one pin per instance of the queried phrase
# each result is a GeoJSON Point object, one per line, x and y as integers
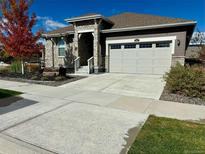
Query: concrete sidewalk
{"type": "Point", "coordinates": [161, 108]}
{"type": "Point", "coordinates": [80, 128]}
{"type": "Point", "coordinates": [10, 145]}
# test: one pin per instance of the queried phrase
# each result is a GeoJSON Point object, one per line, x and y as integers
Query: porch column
{"type": "Point", "coordinates": [96, 42]}
{"type": "Point", "coordinates": [75, 42]}
{"type": "Point", "coordinates": [49, 53]}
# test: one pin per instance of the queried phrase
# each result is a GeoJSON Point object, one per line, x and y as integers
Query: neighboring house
{"type": "Point", "coordinates": [193, 54]}
{"type": "Point", "coordinates": [124, 43]}
{"type": "Point", "coordinates": [193, 51]}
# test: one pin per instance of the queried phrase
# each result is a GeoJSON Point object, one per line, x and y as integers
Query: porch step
{"type": "Point", "coordinates": [82, 70]}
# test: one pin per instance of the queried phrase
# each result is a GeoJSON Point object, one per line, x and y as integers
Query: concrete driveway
{"type": "Point", "coordinates": [144, 86]}
{"type": "Point", "coordinates": [80, 129]}
{"type": "Point", "coordinates": [101, 114]}
{"type": "Point", "coordinates": [67, 119]}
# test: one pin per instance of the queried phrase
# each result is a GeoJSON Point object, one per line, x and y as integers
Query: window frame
{"type": "Point", "coordinates": [115, 46]}
{"type": "Point", "coordinates": [146, 45]}
{"type": "Point", "coordinates": [130, 46]}
{"type": "Point", "coordinates": [163, 43]}
{"type": "Point", "coordinates": [61, 45]}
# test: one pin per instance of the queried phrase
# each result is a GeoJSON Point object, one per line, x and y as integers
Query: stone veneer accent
{"type": "Point", "coordinates": [93, 27]}
{"type": "Point", "coordinates": [51, 53]}
{"type": "Point", "coordinates": [178, 59]}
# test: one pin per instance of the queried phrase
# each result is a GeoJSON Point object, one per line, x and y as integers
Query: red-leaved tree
{"type": "Point", "coordinates": [16, 30]}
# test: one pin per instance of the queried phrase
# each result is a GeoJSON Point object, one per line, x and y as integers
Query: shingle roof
{"type": "Point", "coordinates": [126, 20]}
{"type": "Point", "coordinates": [61, 30]}
{"type": "Point", "coordinates": [135, 20]}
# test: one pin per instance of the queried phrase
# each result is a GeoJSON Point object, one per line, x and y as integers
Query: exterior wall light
{"type": "Point", "coordinates": [136, 40]}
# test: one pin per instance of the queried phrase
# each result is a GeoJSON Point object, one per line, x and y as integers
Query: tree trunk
{"type": "Point", "coordinates": [22, 67]}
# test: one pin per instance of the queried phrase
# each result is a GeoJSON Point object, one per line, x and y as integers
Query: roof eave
{"type": "Point", "coordinates": [149, 27]}
{"type": "Point", "coordinates": [75, 19]}
{"type": "Point", "coordinates": [58, 34]}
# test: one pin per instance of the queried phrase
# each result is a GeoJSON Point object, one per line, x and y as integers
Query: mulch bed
{"type": "Point", "coordinates": [50, 81]}
{"type": "Point", "coordinates": [166, 96]}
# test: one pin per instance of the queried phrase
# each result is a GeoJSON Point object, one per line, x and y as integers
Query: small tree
{"type": "Point", "coordinates": [5, 57]}
{"type": "Point", "coordinates": [16, 30]}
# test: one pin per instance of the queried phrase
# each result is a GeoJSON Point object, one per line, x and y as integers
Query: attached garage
{"type": "Point", "coordinates": [140, 58]}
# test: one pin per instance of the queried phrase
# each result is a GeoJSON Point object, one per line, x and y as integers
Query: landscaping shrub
{"type": "Point", "coordinates": [60, 78]}
{"type": "Point", "coordinates": [45, 78]}
{"type": "Point", "coordinates": [35, 77]}
{"type": "Point", "coordinates": [187, 81]}
{"type": "Point", "coordinates": [16, 66]}
{"type": "Point", "coordinates": [5, 70]}
{"type": "Point", "coordinates": [33, 68]}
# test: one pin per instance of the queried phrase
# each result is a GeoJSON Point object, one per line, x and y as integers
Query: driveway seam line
{"type": "Point", "coordinates": [31, 144]}
{"type": "Point", "coordinates": [109, 85]}
{"type": "Point", "coordinates": [148, 106]}
{"type": "Point", "coordinates": [1, 131]}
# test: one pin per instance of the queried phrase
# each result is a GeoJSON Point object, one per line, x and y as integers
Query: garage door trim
{"type": "Point", "coordinates": [142, 40]}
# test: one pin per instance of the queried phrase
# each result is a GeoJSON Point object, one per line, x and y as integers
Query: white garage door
{"type": "Point", "coordinates": [142, 58]}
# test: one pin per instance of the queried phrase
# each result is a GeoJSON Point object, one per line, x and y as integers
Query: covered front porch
{"type": "Point", "coordinates": [87, 48]}
{"type": "Point", "coordinates": [84, 62]}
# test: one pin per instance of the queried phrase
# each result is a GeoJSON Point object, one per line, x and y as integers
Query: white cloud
{"type": "Point", "coordinates": [49, 24]}
{"type": "Point", "coordinates": [41, 40]}
{"type": "Point", "coordinates": [54, 24]}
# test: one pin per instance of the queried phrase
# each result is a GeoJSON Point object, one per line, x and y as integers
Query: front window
{"type": "Point", "coordinates": [61, 49]}
{"type": "Point", "coordinates": [130, 46]}
{"type": "Point", "coordinates": [116, 46]}
{"type": "Point", "coordinates": [163, 44]}
{"type": "Point", "coordinates": [146, 45]}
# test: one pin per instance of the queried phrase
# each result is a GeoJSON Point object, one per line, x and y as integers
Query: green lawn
{"type": "Point", "coordinates": [8, 93]}
{"type": "Point", "coordinates": [169, 136]}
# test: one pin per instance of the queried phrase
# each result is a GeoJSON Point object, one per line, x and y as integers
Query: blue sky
{"type": "Point", "coordinates": [51, 13]}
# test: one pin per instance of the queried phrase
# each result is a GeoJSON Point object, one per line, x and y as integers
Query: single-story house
{"type": "Point", "coordinates": [123, 43]}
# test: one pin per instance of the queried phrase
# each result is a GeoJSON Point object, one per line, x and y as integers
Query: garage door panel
{"type": "Point", "coordinates": [129, 70]}
{"type": "Point", "coordinates": [144, 62]}
{"type": "Point", "coordinates": [116, 54]}
{"type": "Point", "coordinates": [161, 62]}
{"type": "Point", "coordinates": [115, 65]}
{"type": "Point", "coordinates": [160, 70]}
{"type": "Point", "coordinates": [155, 60]}
{"type": "Point", "coordinates": [129, 54]}
{"type": "Point", "coordinates": [144, 70]}
{"type": "Point", "coordinates": [162, 53]}
{"type": "Point", "coordinates": [144, 53]}
{"type": "Point", "coordinates": [129, 65]}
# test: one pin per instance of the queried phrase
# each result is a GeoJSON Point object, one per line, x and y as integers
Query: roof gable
{"type": "Point", "coordinates": [127, 20]}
